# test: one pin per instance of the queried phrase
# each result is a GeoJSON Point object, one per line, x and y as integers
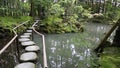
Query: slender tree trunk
{"type": "Point", "coordinates": [99, 8]}
{"type": "Point", "coordinates": [104, 7]}
{"type": "Point", "coordinates": [92, 3]}
{"type": "Point", "coordinates": [115, 3]}
{"type": "Point", "coordinates": [32, 8]}
{"type": "Point", "coordinates": [116, 40]}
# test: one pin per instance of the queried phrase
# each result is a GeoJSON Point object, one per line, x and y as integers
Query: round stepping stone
{"type": "Point", "coordinates": [25, 65]}
{"type": "Point", "coordinates": [32, 48]}
{"type": "Point", "coordinates": [24, 36]}
{"type": "Point", "coordinates": [28, 56]}
{"type": "Point", "coordinates": [23, 39]}
{"type": "Point", "coordinates": [29, 31]}
{"type": "Point", "coordinates": [27, 43]}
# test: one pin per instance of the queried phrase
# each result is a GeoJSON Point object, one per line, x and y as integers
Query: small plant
{"type": "Point", "coordinates": [8, 23]}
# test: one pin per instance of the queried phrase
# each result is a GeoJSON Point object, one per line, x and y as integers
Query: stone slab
{"type": "Point", "coordinates": [25, 65]}
{"type": "Point", "coordinates": [28, 56]}
{"type": "Point", "coordinates": [25, 36]}
{"type": "Point", "coordinates": [32, 48]}
{"type": "Point", "coordinates": [29, 31]}
{"type": "Point", "coordinates": [23, 39]}
{"type": "Point", "coordinates": [27, 43]}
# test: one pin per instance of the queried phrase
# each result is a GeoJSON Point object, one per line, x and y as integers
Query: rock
{"type": "Point", "coordinates": [32, 48]}
{"type": "Point", "coordinates": [29, 31]}
{"type": "Point", "coordinates": [24, 36]}
{"type": "Point", "coordinates": [25, 65]}
{"type": "Point", "coordinates": [23, 39]}
{"type": "Point", "coordinates": [27, 43]}
{"type": "Point", "coordinates": [28, 56]}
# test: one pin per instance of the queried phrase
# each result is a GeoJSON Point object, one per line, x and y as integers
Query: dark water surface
{"type": "Point", "coordinates": [74, 50]}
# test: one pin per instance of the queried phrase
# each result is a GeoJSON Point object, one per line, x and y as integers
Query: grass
{"type": "Point", "coordinates": [110, 58]}
{"type": "Point", "coordinates": [10, 22]}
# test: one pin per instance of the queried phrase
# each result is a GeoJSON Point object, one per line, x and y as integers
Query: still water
{"type": "Point", "coordinates": [74, 50]}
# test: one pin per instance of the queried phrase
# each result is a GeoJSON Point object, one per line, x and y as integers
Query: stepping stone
{"type": "Point", "coordinates": [32, 48]}
{"type": "Point", "coordinates": [28, 56]}
{"type": "Point", "coordinates": [24, 36]}
{"type": "Point", "coordinates": [27, 43]}
{"type": "Point", "coordinates": [29, 31]}
{"type": "Point", "coordinates": [25, 65]}
{"type": "Point", "coordinates": [23, 39]}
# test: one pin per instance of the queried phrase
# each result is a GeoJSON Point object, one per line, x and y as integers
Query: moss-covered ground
{"type": "Point", "coordinates": [110, 58]}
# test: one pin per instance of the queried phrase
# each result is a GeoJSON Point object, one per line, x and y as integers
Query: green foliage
{"type": "Point", "coordinates": [23, 18]}
{"type": "Point", "coordinates": [14, 8]}
{"type": "Point", "coordinates": [9, 22]}
{"type": "Point", "coordinates": [78, 9]}
{"type": "Point", "coordinates": [86, 14]}
{"type": "Point", "coordinates": [99, 18]}
{"type": "Point", "coordinates": [56, 9]}
{"type": "Point", "coordinates": [110, 62]}
{"type": "Point", "coordinates": [113, 14]}
{"type": "Point", "coordinates": [64, 16]}
{"type": "Point", "coordinates": [51, 20]}
{"type": "Point", "coordinates": [110, 58]}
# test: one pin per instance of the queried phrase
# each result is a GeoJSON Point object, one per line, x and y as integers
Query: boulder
{"type": "Point", "coordinates": [27, 43]}
{"type": "Point", "coordinates": [23, 39]}
{"type": "Point", "coordinates": [25, 36]}
{"type": "Point", "coordinates": [28, 56]}
{"type": "Point", "coordinates": [25, 65]}
{"type": "Point", "coordinates": [29, 31]}
{"type": "Point", "coordinates": [32, 48]}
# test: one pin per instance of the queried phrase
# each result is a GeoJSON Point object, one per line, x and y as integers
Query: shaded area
{"type": "Point", "coordinates": [110, 58]}
{"type": "Point", "coordinates": [69, 51]}
{"type": "Point", "coordinates": [38, 40]}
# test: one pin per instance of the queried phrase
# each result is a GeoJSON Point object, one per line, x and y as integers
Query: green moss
{"type": "Point", "coordinates": [110, 58]}
{"type": "Point", "coordinates": [10, 22]}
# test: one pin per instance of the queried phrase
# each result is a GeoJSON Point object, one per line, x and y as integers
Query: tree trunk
{"type": "Point", "coordinates": [32, 7]}
{"type": "Point", "coordinates": [99, 6]}
{"type": "Point", "coordinates": [104, 7]}
{"type": "Point", "coordinates": [116, 39]}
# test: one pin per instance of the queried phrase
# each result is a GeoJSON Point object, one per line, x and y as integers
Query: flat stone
{"type": "Point", "coordinates": [23, 39]}
{"type": "Point", "coordinates": [29, 31]}
{"type": "Point", "coordinates": [32, 48]}
{"type": "Point", "coordinates": [25, 65]}
{"type": "Point", "coordinates": [24, 36]}
{"type": "Point", "coordinates": [30, 28]}
{"type": "Point", "coordinates": [27, 43]}
{"type": "Point", "coordinates": [28, 56]}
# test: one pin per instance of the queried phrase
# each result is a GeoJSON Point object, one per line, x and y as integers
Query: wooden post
{"type": "Point", "coordinates": [100, 46]}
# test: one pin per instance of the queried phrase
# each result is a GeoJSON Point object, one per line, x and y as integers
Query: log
{"type": "Point", "coordinates": [101, 46]}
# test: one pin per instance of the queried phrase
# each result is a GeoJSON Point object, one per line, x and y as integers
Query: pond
{"type": "Point", "coordinates": [74, 50]}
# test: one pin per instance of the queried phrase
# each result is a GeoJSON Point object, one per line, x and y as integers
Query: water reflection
{"type": "Point", "coordinates": [74, 50]}
{"type": "Point", "coordinates": [67, 50]}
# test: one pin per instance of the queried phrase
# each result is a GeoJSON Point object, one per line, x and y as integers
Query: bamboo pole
{"type": "Point", "coordinates": [8, 44]}
{"type": "Point", "coordinates": [44, 46]}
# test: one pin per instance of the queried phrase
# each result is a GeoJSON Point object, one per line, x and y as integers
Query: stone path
{"type": "Point", "coordinates": [30, 56]}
